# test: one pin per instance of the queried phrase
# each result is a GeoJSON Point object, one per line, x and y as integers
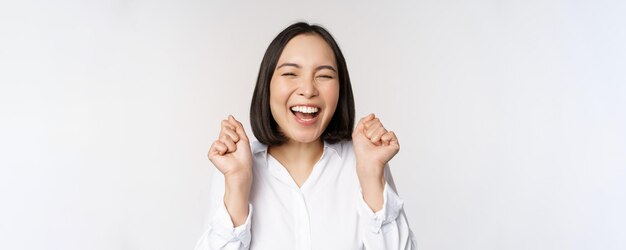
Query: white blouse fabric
{"type": "Point", "coordinates": [327, 212]}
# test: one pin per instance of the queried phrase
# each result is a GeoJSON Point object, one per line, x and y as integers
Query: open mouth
{"type": "Point", "coordinates": [305, 113]}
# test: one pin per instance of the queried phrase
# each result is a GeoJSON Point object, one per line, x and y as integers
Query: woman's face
{"type": "Point", "coordinates": [304, 89]}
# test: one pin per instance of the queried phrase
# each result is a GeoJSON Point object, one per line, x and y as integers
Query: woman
{"type": "Point", "coordinates": [309, 182]}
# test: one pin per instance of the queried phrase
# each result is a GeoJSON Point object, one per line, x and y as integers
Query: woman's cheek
{"type": "Point", "coordinates": [332, 98]}
{"type": "Point", "coordinates": [280, 89]}
{"type": "Point", "coordinates": [333, 94]}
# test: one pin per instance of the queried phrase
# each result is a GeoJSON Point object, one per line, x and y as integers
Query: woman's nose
{"type": "Point", "coordinates": [308, 88]}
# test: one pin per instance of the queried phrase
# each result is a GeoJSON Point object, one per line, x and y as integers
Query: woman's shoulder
{"type": "Point", "coordinates": [343, 147]}
{"type": "Point", "coordinates": [345, 143]}
{"type": "Point", "coordinates": [256, 146]}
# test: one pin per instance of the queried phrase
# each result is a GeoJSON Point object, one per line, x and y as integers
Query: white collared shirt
{"type": "Point", "coordinates": [327, 212]}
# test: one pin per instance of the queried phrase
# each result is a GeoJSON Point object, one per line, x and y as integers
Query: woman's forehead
{"type": "Point", "coordinates": [307, 51]}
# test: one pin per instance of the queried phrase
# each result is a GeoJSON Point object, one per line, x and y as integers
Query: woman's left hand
{"type": "Point", "coordinates": [374, 146]}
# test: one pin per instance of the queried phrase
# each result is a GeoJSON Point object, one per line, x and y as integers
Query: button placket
{"type": "Point", "coordinates": [302, 223]}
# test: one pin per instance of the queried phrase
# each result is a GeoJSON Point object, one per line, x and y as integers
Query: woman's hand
{"type": "Point", "coordinates": [231, 152]}
{"type": "Point", "coordinates": [373, 146]}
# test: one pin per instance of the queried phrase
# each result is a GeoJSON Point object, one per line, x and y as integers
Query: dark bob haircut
{"type": "Point", "coordinates": [264, 126]}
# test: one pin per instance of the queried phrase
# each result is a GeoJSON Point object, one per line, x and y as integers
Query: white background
{"type": "Point", "coordinates": [510, 114]}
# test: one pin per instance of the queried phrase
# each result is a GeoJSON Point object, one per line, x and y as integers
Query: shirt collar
{"type": "Point", "coordinates": [258, 147]}
{"type": "Point", "coordinates": [335, 147]}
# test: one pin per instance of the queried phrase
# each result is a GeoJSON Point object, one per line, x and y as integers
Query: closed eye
{"type": "Point", "coordinates": [325, 76]}
{"type": "Point", "coordinates": [289, 74]}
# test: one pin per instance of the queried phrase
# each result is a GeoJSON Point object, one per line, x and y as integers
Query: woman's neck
{"type": "Point", "coordinates": [293, 154]}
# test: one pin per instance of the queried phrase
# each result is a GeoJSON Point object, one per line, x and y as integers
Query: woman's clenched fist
{"type": "Point", "coordinates": [231, 153]}
{"type": "Point", "coordinates": [374, 146]}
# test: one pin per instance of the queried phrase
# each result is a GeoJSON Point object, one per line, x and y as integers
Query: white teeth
{"type": "Point", "coordinates": [304, 109]}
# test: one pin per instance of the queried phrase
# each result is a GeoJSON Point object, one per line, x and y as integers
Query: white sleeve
{"type": "Point", "coordinates": [220, 232]}
{"type": "Point", "coordinates": [387, 229]}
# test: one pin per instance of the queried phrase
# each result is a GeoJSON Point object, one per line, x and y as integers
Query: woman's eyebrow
{"type": "Point", "coordinates": [326, 67]}
{"type": "Point", "coordinates": [289, 64]}
{"type": "Point", "coordinates": [316, 69]}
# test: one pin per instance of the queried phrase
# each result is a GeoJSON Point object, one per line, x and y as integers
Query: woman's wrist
{"type": "Point", "coordinates": [369, 170]}
{"type": "Point", "coordinates": [239, 177]}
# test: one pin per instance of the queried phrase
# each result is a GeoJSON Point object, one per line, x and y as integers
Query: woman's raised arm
{"type": "Point", "coordinates": [230, 211]}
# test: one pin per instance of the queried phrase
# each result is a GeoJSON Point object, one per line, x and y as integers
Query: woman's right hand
{"type": "Point", "coordinates": [231, 152]}
{"type": "Point", "coordinates": [232, 156]}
